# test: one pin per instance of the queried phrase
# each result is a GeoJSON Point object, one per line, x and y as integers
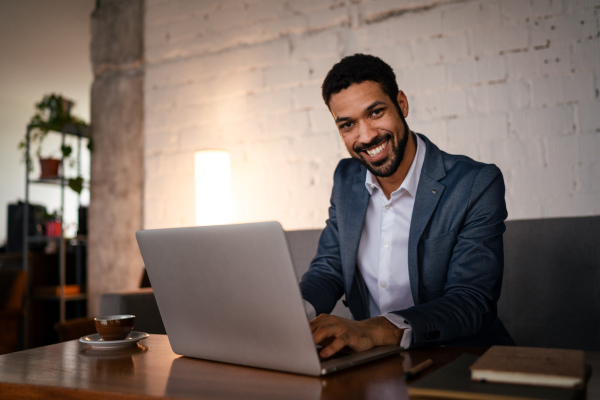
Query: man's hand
{"type": "Point", "coordinates": [335, 332]}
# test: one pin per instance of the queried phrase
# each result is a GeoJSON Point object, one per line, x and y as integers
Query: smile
{"type": "Point", "coordinates": [375, 151]}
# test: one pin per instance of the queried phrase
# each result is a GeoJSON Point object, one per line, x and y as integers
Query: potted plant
{"type": "Point", "coordinates": [53, 114]}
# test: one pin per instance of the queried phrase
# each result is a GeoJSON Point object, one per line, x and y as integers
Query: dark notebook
{"type": "Point", "coordinates": [531, 366]}
{"type": "Point", "coordinates": [453, 381]}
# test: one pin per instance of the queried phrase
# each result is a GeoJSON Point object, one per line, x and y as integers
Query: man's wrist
{"type": "Point", "coordinates": [383, 332]}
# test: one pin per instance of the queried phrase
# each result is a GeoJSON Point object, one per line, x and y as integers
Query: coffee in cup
{"type": "Point", "coordinates": [114, 327]}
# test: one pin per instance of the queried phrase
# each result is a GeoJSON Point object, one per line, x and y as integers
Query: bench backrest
{"type": "Point", "coordinates": [551, 287]}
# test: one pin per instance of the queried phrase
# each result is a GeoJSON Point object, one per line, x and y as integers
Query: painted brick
{"type": "Point", "coordinates": [239, 83]}
{"type": "Point", "coordinates": [264, 10]}
{"type": "Point", "coordinates": [295, 24]}
{"type": "Point", "coordinates": [398, 57]}
{"type": "Point", "coordinates": [513, 154]}
{"type": "Point", "coordinates": [174, 10]}
{"type": "Point", "coordinates": [589, 148]}
{"type": "Point", "coordinates": [550, 121]}
{"type": "Point", "coordinates": [320, 67]}
{"type": "Point", "coordinates": [588, 116]}
{"type": "Point", "coordinates": [329, 18]}
{"type": "Point", "coordinates": [377, 9]}
{"type": "Point", "coordinates": [307, 97]}
{"type": "Point", "coordinates": [314, 46]}
{"type": "Point", "coordinates": [421, 79]}
{"type": "Point", "coordinates": [321, 120]}
{"type": "Point", "coordinates": [290, 124]}
{"type": "Point", "coordinates": [473, 15]}
{"type": "Point", "coordinates": [588, 181]}
{"type": "Point", "coordinates": [462, 73]}
{"type": "Point", "coordinates": [543, 182]}
{"type": "Point", "coordinates": [182, 116]}
{"type": "Point", "coordinates": [500, 97]}
{"type": "Point", "coordinates": [476, 82]}
{"type": "Point", "coordinates": [546, 8]}
{"type": "Point", "coordinates": [271, 102]}
{"type": "Point", "coordinates": [514, 11]}
{"type": "Point", "coordinates": [365, 40]}
{"type": "Point", "coordinates": [500, 39]}
{"type": "Point", "coordinates": [435, 130]}
{"type": "Point", "coordinates": [193, 93]}
{"type": "Point", "coordinates": [480, 70]}
{"type": "Point", "coordinates": [310, 6]}
{"type": "Point", "coordinates": [562, 150]}
{"type": "Point", "coordinates": [448, 103]}
{"type": "Point", "coordinates": [563, 28]}
{"type": "Point", "coordinates": [231, 14]}
{"type": "Point", "coordinates": [548, 61]}
{"type": "Point", "coordinates": [260, 55]}
{"type": "Point", "coordinates": [570, 205]}
{"type": "Point", "coordinates": [492, 68]}
{"type": "Point", "coordinates": [236, 36]}
{"type": "Point", "coordinates": [411, 26]}
{"type": "Point", "coordinates": [586, 55]}
{"type": "Point", "coordinates": [316, 149]}
{"type": "Point", "coordinates": [562, 89]}
{"type": "Point", "coordinates": [439, 49]}
{"type": "Point", "coordinates": [180, 31]}
{"type": "Point", "coordinates": [480, 129]}
{"type": "Point", "coordinates": [578, 5]}
{"type": "Point", "coordinates": [161, 142]}
{"type": "Point", "coordinates": [286, 75]}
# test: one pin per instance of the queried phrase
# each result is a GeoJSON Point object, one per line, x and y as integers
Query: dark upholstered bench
{"type": "Point", "coordinates": [550, 292]}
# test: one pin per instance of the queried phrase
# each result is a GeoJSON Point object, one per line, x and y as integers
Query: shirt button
{"type": "Point", "coordinates": [388, 207]}
{"type": "Point", "coordinates": [383, 285]}
{"type": "Point", "coordinates": [385, 244]}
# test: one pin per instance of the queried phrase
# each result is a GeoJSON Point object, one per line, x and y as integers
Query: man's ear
{"type": "Point", "coordinates": [403, 103]}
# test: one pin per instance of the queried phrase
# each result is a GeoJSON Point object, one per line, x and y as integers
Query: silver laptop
{"type": "Point", "coordinates": [229, 293]}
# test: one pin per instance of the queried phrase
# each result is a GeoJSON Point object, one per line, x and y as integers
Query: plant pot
{"type": "Point", "coordinates": [49, 167]}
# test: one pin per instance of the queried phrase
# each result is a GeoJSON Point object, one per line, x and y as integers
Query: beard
{"type": "Point", "coordinates": [386, 166]}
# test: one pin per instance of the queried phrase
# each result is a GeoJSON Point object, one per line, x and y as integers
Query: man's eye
{"type": "Point", "coordinates": [376, 112]}
{"type": "Point", "coordinates": [345, 125]}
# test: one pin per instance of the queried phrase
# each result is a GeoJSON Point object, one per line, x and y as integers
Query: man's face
{"type": "Point", "coordinates": [372, 129]}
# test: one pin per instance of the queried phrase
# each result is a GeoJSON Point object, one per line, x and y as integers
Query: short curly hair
{"type": "Point", "coordinates": [356, 69]}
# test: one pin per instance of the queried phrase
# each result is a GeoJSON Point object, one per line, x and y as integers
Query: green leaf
{"type": "Point", "coordinates": [66, 150]}
{"type": "Point", "coordinates": [76, 184]}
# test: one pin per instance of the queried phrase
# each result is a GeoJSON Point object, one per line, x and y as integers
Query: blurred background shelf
{"type": "Point", "coordinates": [55, 265]}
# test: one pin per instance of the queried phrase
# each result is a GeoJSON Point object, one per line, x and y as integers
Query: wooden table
{"type": "Point", "coordinates": [72, 370]}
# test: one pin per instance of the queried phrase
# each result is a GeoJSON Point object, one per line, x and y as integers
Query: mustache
{"type": "Point", "coordinates": [375, 142]}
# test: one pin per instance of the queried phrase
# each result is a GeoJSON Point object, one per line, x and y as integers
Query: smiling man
{"type": "Point", "coordinates": [414, 235]}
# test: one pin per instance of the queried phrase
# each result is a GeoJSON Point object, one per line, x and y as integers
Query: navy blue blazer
{"type": "Point", "coordinates": [455, 253]}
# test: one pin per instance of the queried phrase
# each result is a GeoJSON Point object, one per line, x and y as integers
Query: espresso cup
{"type": "Point", "coordinates": [114, 327]}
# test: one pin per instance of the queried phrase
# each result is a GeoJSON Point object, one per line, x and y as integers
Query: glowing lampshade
{"type": "Point", "coordinates": [213, 187]}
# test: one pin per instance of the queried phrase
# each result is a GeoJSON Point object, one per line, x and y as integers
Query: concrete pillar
{"type": "Point", "coordinates": [117, 172]}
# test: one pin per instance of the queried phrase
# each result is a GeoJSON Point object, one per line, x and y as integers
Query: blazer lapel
{"type": "Point", "coordinates": [355, 220]}
{"type": "Point", "coordinates": [429, 193]}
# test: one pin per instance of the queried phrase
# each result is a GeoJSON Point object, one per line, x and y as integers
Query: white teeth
{"type": "Point", "coordinates": [376, 150]}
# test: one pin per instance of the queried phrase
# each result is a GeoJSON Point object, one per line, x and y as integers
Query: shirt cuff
{"type": "Point", "coordinates": [311, 313]}
{"type": "Point", "coordinates": [401, 323]}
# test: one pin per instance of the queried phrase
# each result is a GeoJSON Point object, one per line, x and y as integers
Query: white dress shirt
{"type": "Point", "coordinates": [383, 249]}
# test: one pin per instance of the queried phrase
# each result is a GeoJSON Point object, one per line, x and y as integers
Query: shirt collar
{"type": "Point", "coordinates": [411, 182]}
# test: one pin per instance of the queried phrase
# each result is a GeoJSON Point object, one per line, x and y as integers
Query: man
{"type": "Point", "coordinates": [414, 235]}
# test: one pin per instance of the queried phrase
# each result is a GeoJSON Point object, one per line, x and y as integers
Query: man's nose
{"type": "Point", "coordinates": [367, 132]}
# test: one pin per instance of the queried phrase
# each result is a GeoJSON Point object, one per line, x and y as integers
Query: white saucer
{"type": "Point", "coordinates": [96, 340]}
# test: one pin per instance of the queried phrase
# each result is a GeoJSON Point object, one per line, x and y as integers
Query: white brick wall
{"type": "Point", "coordinates": [512, 82]}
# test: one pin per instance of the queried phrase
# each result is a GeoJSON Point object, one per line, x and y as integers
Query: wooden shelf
{"type": "Point", "coordinates": [54, 291]}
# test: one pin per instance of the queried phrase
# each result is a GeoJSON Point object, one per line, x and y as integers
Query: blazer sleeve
{"type": "Point", "coordinates": [467, 303]}
{"type": "Point", "coordinates": [323, 284]}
